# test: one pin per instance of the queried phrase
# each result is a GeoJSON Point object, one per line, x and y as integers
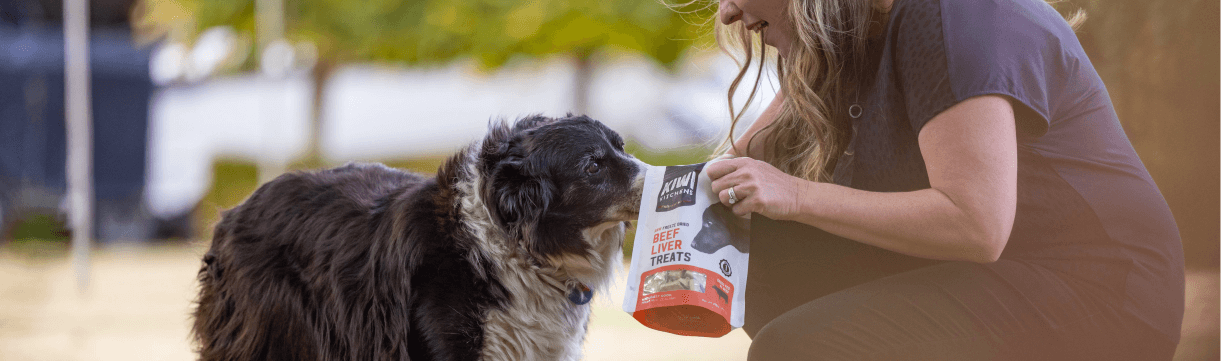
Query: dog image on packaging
{"type": "Point", "coordinates": [722, 228]}
{"type": "Point", "coordinates": [690, 256]}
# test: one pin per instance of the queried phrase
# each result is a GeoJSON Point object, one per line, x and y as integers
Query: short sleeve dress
{"type": "Point", "coordinates": [1087, 210]}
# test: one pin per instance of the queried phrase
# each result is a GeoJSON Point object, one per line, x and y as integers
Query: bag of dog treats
{"type": "Point", "coordinates": [689, 260]}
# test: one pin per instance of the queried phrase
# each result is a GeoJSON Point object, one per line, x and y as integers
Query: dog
{"type": "Point", "coordinates": [721, 294]}
{"type": "Point", "coordinates": [722, 228]}
{"type": "Point", "coordinates": [494, 258]}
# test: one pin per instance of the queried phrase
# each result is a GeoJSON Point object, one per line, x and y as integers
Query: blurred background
{"type": "Point", "coordinates": [196, 102]}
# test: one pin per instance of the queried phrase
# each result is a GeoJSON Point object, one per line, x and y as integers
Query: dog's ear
{"type": "Point", "coordinates": [521, 198]}
{"type": "Point", "coordinates": [531, 122]}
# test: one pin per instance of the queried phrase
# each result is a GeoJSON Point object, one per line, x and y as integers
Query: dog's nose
{"type": "Point", "coordinates": [636, 191]}
{"type": "Point", "coordinates": [642, 169]}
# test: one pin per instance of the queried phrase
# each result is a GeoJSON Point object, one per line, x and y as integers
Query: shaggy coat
{"type": "Point", "coordinates": [481, 262]}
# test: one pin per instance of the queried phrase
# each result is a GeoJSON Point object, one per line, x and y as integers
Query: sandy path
{"type": "Point", "coordinates": [137, 304]}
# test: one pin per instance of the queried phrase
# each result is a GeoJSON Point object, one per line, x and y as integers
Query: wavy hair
{"type": "Point", "coordinates": [816, 77]}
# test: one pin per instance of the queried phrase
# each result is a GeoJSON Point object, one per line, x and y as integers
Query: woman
{"type": "Point", "coordinates": [943, 179]}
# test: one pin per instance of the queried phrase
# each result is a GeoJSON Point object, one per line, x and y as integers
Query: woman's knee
{"type": "Point", "coordinates": [870, 321]}
{"type": "Point", "coordinates": [775, 341]}
{"type": "Point", "coordinates": [789, 338]}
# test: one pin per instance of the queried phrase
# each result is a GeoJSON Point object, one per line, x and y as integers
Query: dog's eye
{"type": "Point", "coordinates": [593, 168]}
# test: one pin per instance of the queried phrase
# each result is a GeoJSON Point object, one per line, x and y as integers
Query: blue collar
{"type": "Point", "coordinates": [581, 294]}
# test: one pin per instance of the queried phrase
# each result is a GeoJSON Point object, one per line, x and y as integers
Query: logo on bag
{"type": "Point", "coordinates": [678, 187]}
{"type": "Point", "coordinates": [725, 269]}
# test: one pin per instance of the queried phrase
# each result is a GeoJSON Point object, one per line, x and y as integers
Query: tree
{"type": "Point", "coordinates": [435, 32]}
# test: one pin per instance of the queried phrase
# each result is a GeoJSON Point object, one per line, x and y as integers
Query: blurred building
{"type": "Point", "coordinates": [32, 132]}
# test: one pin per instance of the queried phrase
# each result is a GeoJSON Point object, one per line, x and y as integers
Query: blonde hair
{"type": "Point", "coordinates": [815, 77]}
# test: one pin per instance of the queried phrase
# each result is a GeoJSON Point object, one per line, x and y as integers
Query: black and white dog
{"type": "Point", "coordinates": [493, 259]}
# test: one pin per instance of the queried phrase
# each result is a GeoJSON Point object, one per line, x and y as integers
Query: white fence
{"type": "Point", "coordinates": [377, 113]}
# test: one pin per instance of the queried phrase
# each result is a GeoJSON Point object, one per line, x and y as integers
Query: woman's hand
{"type": "Point", "coordinates": [759, 188]}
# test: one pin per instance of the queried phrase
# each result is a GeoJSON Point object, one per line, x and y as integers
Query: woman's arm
{"type": "Point", "coordinates": [766, 118]}
{"type": "Point", "coordinates": [970, 151]}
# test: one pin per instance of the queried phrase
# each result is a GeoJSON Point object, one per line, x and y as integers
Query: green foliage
{"type": "Point", "coordinates": [679, 156]}
{"type": "Point", "coordinates": [39, 226]}
{"type": "Point", "coordinates": [232, 183]}
{"type": "Point", "coordinates": [35, 237]}
{"type": "Point", "coordinates": [35, 251]}
{"type": "Point", "coordinates": [430, 32]}
{"type": "Point", "coordinates": [423, 164]}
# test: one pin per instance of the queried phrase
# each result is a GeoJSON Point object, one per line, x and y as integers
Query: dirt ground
{"type": "Point", "coordinates": [137, 300]}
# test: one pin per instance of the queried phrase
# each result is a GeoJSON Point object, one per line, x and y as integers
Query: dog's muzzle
{"type": "Point", "coordinates": [637, 190]}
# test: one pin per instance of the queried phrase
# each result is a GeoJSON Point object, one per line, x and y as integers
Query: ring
{"type": "Point", "coordinates": [733, 198]}
{"type": "Point", "coordinates": [855, 111]}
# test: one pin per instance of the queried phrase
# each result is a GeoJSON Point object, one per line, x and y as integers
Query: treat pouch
{"type": "Point", "coordinates": [689, 259]}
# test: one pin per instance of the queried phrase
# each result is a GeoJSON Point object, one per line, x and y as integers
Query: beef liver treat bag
{"type": "Point", "coordinates": [689, 260]}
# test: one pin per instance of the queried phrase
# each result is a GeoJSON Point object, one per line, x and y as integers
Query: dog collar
{"type": "Point", "coordinates": [581, 294]}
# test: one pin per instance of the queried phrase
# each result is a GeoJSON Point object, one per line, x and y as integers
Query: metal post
{"type": "Point", "coordinates": [80, 135]}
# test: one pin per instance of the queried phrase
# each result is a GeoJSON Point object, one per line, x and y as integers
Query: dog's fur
{"type": "Point", "coordinates": [364, 262]}
{"type": "Point", "coordinates": [722, 228]}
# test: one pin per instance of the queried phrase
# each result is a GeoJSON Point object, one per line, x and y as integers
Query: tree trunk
{"type": "Point", "coordinates": [583, 79]}
{"type": "Point", "coordinates": [320, 77]}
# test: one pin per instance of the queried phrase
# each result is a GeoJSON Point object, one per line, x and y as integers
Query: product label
{"type": "Point", "coordinates": [689, 259]}
{"type": "Point", "coordinates": [678, 187]}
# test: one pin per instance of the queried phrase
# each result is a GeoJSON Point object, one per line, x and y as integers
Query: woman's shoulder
{"type": "Point", "coordinates": [965, 48]}
{"type": "Point", "coordinates": [981, 23]}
